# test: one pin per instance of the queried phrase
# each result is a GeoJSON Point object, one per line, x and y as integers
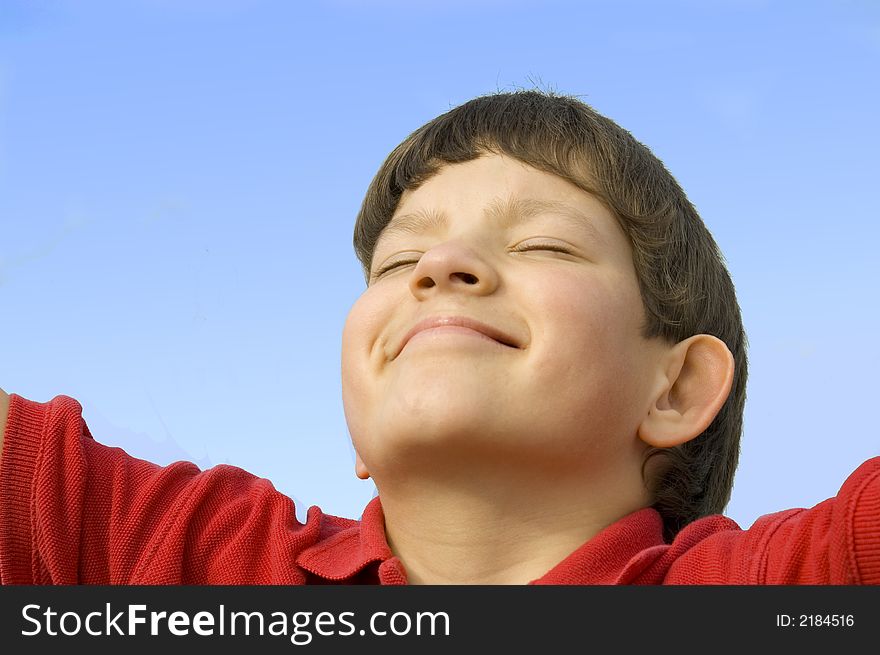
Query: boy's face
{"type": "Point", "coordinates": [535, 357]}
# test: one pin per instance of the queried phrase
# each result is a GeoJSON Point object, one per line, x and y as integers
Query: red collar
{"type": "Point", "coordinates": [604, 559]}
{"type": "Point", "coordinates": [601, 560]}
{"type": "Point", "coordinates": [349, 551]}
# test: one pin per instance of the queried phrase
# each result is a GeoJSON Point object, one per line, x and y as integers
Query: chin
{"type": "Point", "coordinates": [447, 389]}
{"type": "Point", "coordinates": [433, 420]}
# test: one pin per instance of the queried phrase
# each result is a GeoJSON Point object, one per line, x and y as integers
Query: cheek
{"type": "Point", "coordinates": [588, 330]}
{"type": "Point", "coordinates": [363, 325]}
{"type": "Point", "coordinates": [586, 369]}
{"type": "Point", "coordinates": [603, 307]}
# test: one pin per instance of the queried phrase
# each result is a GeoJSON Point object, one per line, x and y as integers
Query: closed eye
{"type": "Point", "coordinates": [521, 247]}
{"type": "Point", "coordinates": [396, 264]}
{"type": "Point", "coordinates": [551, 247]}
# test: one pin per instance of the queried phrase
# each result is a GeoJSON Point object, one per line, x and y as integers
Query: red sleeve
{"type": "Point", "coordinates": [836, 542]}
{"type": "Point", "coordinates": [73, 511]}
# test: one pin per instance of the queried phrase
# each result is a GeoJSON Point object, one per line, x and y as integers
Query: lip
{"type": "Point", "coordinates": [459, 321]}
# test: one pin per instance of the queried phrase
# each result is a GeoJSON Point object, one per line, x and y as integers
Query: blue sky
{"type": "Point", "coordinates": [179, 181]}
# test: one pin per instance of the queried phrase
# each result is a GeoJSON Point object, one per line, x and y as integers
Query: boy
{"type": "Point", "coordinates": [545, 377]}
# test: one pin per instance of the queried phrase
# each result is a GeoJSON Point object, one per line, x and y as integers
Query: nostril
{"type": "Point", "coordinates": [467, 278]}
{"type": "Point", "coordinates": [426, 283]}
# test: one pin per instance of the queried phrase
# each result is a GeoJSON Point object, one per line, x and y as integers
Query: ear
{"type": "Point", "coordinates": [693, 386]}
{"type": "Point", "coordinates": [360, 468]}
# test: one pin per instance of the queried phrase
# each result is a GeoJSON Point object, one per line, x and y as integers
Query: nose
{"type": "Point", "coordinates": [452, 266]}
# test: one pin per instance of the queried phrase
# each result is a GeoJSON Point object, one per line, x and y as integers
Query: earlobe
{"type": "Point", "coordinates": [697, 380]}
{"type": "Point", "coordinates": [360, 468]}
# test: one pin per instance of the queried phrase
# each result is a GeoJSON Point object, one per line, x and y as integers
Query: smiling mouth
{"type": "Point", "coordinates": [454, 330]}
{"type": "Point", "coordinates": [458, 325]}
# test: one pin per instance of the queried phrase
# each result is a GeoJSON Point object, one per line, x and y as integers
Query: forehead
{"type": "Point", "coordinates": [504, 212]}
{"type": "Point", "coordinates": [504, 193]}
{"type": "Point", "coordinates": [486, 177]}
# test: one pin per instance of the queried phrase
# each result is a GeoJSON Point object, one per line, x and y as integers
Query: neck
{"type": "Point", "coordinates": [487, 528]}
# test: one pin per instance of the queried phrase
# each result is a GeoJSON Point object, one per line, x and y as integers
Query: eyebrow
{"type": "Point", "coordinates": [506, 212]}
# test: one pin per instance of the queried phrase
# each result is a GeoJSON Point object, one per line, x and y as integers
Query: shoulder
{"type": "Point", "coordinates": [862, 478]}
{"type": "Point", "coordinates": [836, 541]}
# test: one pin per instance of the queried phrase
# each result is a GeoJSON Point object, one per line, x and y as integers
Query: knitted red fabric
{"type": "Point", "coordinates": [73, 511]}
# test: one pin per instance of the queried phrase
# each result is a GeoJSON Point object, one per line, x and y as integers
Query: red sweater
{"type": "Point", "coordinates": [75, 511]}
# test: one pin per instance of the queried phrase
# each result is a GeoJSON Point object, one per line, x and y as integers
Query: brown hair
{"type": "Point", "coordinates": [685, 285]}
